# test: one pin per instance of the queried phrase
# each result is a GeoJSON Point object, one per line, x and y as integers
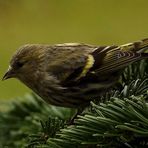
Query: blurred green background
{"type": "Point", "coordinates": [57, 21]}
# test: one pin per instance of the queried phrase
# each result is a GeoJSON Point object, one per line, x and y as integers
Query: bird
{"type": "Point", "coordinates": [73, 74]}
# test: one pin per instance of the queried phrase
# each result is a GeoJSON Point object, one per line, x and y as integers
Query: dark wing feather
{"type": "Point", "coordinates": [123, 55]}
{"type": "Point", "coordinates": [93, 59]}
{"type": "Point", "coordinates": [99, 54]}
{"type": "Point", "coordinates": [118, 60]}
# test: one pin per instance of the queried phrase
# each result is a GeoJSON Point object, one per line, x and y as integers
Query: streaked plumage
{"type": "Point", "coordinates": [70, 75]}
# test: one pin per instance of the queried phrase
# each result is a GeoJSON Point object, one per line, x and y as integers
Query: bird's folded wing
{"type": "Point", "coordinates": [79, 61]}
{"type": "Point", "coordinates": [124, 55]}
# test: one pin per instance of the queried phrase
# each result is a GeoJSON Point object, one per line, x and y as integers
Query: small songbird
{"type": "Point", "coordinates": [72, 74]}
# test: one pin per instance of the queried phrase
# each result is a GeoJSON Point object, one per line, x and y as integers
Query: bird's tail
{"type": "Point", "coordinates": [140, 46]}
{"type": "Point", "coordinates": [124, 55]}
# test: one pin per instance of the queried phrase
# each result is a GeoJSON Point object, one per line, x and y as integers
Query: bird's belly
{"type": "Point", "coordinates": [74, 97]}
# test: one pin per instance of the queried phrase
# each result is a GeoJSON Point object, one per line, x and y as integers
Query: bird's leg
{"type": "Point", "coordinates": [78, 112]}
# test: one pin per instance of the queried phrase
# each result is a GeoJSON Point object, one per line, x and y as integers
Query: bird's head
{"type": "Point", "coordinates": [25, 62]}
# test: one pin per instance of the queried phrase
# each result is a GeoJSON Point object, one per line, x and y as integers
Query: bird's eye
{"type": "Point", "coordinates": [19, 64]}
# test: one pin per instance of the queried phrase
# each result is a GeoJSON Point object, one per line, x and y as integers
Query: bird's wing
{"type": "Point", "coordinates": [72, 62]}
{"type": "Point", "coordinates": [123, 55]}
{"type": "Point", "coordinates": [93, 61]}
{"type": "Point", "coordinates": [75, 62]}
{"type": "Point", "coordinates": [110, 59]}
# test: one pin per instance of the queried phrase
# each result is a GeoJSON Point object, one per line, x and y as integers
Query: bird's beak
{"type": "Point", "coordinates": [9, 74]}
